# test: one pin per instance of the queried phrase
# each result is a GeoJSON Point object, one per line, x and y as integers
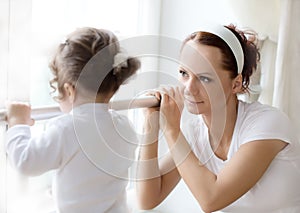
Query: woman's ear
{"type": "Point", "coordinates": [237, 84]}
{"type": "Point", "coordinates": [69, 92]}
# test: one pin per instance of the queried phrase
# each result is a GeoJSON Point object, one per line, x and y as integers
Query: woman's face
{"type": "Point", "coordinates": [207, 86]}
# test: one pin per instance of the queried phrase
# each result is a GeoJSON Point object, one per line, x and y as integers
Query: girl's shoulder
{"type": "Point", "coordinates": [61, 121]}
{"type": "Point", "coordinates": [118, 117]}
{"type": "Point", "coordinates": [121, 121]}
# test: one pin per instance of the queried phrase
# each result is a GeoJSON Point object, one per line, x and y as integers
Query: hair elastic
{"type": "Point", "coordinates": [120, 60]}
{"type": "Point", "coordinates": [232, 41]}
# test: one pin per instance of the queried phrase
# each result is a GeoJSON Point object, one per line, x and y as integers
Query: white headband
{"type": "Point", "coordinates": [232, 41]}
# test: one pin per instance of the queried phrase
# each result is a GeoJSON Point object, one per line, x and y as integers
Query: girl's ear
{"type": "Point", "coordinates": [69, 92]}
{"type": "Point", "coordinates": [237, 84]}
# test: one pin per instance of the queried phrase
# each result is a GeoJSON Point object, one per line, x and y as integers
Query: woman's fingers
{"type": "Point", "coordinates": [171, 105]}
{"type": "Point", "coordinates": [165, 98]}
{"type": "Point", "coordinates": [173, 96]}
{"type": "Point", "coordinates": [170, 90]}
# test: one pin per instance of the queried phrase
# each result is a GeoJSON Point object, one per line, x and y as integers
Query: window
{"type": "Point", "coordinates": [30, 31]}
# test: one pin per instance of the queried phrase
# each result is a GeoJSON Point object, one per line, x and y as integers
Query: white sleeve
{"type": "Point", "coordinates": [271, 124]}
{"type": "Point", "coordinates": [34, 155]}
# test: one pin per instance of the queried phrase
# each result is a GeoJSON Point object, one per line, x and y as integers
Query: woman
{"type": "Point", "coordinates": [234, 156]}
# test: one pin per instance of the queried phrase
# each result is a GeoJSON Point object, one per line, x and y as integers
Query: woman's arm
{"type": "Point", "coordinates": [215, 192]}
{"type": "Point", "coordinates": [241, 173]}
{"type": "Point", "coordinates": [155, 181]}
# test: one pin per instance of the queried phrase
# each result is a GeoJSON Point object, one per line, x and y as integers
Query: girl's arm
{"type": "Point", "coordinates": [155, 181]}
{"type": "Point", "coordinates": [214, 192]}
{"type": "Point", "coordinates": [31, 155]}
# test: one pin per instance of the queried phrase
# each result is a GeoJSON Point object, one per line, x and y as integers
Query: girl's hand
{"type": "Point", "coordinates": [18, 113]}
{"type": "Point", "coordinates": [171, 107]}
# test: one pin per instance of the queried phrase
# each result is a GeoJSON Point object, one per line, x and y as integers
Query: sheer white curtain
{"type": "Point", "coordinates": [15, 26]}
{"type": "Point", "coordinates": [14, 70]}
{"type": "Point", "coordinates": [4, 14]}
{"type": "Point", "coordinates": [286, 80]}
{"type": "Point", "coordinates": [280, 84]}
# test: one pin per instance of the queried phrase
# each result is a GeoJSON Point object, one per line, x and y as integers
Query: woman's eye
{"type": "Point", "coordinates": [183, 73]}
{"type": "Point", "coordinates": [204, 79]}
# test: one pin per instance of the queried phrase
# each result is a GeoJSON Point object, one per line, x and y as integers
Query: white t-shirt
{"type": "Point", "coordinates": [91, 150]}
{"type": "Point", "coordinates": [278, 190]}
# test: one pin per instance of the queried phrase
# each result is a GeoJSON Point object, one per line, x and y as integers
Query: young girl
{"type": "Point", "coordinates": [233, 156]}
{"type": "Point", "coordinates": [90, 147]}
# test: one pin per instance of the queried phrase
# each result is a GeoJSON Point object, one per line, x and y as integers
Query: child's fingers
{"type": "Point", "coordinates": [32, 121]}
{"type": "Point", "coordinates": [9, 103]}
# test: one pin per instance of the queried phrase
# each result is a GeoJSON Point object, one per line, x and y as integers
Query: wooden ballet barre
{"type": "Point", "coordinates": [47, 112]}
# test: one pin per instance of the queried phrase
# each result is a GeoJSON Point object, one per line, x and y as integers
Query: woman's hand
{"type": "Point", "coordinates": [166, 117]}
{"type": "Point", "coordinates": [18, 113]}
{"type": "Point", "coordinates": [151, 116]}
{"type": "Point", "coordinates": [158, 177]}
{"type": "Point", "coordinates": [171, 107]}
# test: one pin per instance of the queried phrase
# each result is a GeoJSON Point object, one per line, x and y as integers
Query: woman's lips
{"type": "Point", "coordinates": [193, 101]}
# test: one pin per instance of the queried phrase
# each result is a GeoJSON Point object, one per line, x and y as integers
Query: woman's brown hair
{"type": "Point", "coordinates": [250, 50]}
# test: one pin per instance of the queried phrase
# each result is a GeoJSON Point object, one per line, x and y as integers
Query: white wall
{"type": "Point", "coordinates": [180, 18]}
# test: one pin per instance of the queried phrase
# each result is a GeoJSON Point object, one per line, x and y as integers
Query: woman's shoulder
{"type": "Point", "coordinates": [258, 121]}
{"type": "Point", "coordinates": [256, 106]}
{"type": "Point", "coordinates": [262, 116]}
{"type": "Point", "coordinates": [257, 110]}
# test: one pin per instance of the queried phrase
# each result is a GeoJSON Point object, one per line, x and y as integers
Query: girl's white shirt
{"type": "Point", "coordinates": [91, 150]}
{"type": "Point", "coordinates": [278, 191]}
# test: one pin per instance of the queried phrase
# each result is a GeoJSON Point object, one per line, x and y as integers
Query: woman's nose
{"type": "Point", "coordinates": [192, 86]}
